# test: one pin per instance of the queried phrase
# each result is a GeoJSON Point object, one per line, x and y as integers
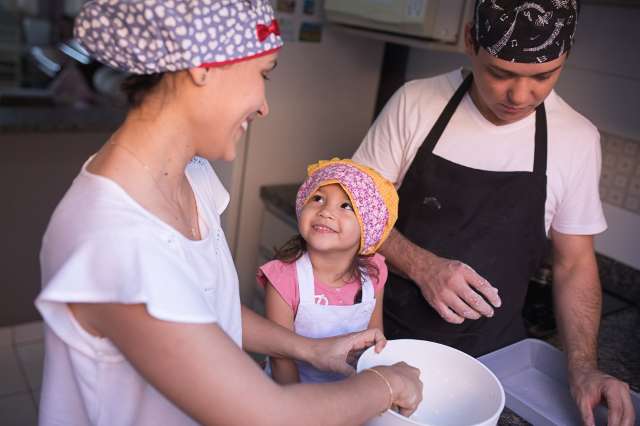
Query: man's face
{"type": "Point", "coordinates": [506, 92]}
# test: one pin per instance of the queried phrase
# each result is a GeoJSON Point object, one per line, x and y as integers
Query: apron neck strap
{"type": "Point", "coordinates": [367, 288]}
{"type": "Point", "coordinates": [540, 156]}
{"type": "Point", "coordinates": [445, 116]}
{"type": "Point", "coordinates": [304, 270]}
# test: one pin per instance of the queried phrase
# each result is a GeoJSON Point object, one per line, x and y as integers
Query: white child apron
{"type": "Point", "coordinates": [320, 321]}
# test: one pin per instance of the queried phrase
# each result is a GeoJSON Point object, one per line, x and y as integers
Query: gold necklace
{"type": "Point", "coordinates": [193, 226]}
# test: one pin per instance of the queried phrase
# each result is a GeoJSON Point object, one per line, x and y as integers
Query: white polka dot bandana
{"type": "Point", "coordinates": [526, 31]}
{"type": "Point", "coordinates": [154, 36]}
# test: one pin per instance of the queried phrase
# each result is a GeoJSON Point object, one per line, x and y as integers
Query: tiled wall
{"type": "Point", "coordinates": [620, 179]}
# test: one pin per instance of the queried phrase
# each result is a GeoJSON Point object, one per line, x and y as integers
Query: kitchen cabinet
{"type": "Point", "coordinates": [41, 151]}
{"type": "Point", "coordinates": [35, 171]}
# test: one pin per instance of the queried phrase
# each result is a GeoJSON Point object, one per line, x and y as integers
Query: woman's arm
{"type": "Point", "coordinates": [376, 316]}
{"type": "Point", "coordinates": [283, 370]}
{"type": "Point", "coordinates": [200, 369]}
{"type": "Point", "coordinates": [331, 354]}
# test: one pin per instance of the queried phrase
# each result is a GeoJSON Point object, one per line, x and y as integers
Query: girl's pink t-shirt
{"type": "Point", "coordinates": [283, 278]}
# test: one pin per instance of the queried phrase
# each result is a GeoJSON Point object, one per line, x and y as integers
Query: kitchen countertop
{"type": "Point", "coordinates": [23, 119]}
{"type": "Point", "coordinates": [619, 339]}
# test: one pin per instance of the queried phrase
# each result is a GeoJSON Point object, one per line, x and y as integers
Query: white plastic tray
{"type": "Point", "coordinates": [534, 376]}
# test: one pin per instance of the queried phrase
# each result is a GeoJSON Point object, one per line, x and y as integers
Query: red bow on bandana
{"type": "Point", "coordinates": [265, 30]}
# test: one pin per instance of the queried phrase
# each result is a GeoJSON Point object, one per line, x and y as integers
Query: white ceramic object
{"type": "Point", "coordinates": [458, 389]}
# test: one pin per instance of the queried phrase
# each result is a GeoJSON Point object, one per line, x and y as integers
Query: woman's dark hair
{"type": "Point", "coordinates": [137, 87]}
{"type": "Point", "coordinates": [293, 249]}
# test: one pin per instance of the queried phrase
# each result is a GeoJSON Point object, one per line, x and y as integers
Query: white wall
{"type": "Point", "coordinates": [322, 98]}
{"type": "Point", "coordinates": [601, 81]}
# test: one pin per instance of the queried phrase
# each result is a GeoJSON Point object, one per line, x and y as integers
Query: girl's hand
{"type": "Point", "coordinates": [339, 354]}
{"type": "Point", "coordinates": [405, 385]}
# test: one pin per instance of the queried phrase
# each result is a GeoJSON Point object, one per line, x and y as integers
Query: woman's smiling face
{"type": "Point", "coordinates": [328, 222]}
{"type": "Point", "coordinates": [231, 98]}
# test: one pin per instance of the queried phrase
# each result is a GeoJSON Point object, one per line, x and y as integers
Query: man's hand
{"type": "Point", "coordinates": [590, 386]}
{"type": "Point", "coordinates": [452, 288]}
{"type": "Point", "coordinates": [338, 354]}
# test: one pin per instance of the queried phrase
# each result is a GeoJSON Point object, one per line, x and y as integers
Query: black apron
{"type": "Point", "coordinates": [492, 221]}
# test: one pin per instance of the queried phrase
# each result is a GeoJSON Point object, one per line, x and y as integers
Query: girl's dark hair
{"type": "Point", "coordinates": [293, 249]}
{"type": "Point", "coordinates": [137, 87]}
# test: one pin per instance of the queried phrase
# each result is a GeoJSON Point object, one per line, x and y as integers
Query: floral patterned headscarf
{"type": "Point", "coordinates": [374, 199]}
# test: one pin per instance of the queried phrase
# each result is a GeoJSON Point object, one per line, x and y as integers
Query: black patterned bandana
{"type": "Point", "coordinates": [534, 31]}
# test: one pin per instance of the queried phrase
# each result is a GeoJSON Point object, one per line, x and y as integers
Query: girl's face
{"type": "Point", "coordinates": [232, 97]}
{"type": "Point", "coordinates": [328, 223]}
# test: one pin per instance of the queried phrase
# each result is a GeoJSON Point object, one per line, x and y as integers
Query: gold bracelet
{"type": "Point", "coordinates": [384, 379]}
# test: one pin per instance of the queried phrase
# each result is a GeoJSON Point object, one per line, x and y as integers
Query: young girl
{"type": "Point", "coordinates": [328, 280]}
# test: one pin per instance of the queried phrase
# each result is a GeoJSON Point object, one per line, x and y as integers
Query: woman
{"type": "Point", "coordinates": [140, 298]}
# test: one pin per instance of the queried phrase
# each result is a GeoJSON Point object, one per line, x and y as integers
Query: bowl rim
{"type": "Point", "coordinates": [410, 420]}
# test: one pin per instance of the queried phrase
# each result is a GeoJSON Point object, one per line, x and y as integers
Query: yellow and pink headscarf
{"type": "Point", "coordinates": [374, 199]}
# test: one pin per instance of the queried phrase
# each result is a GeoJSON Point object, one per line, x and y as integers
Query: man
{"type": "Point", "coordinates": [488, 167]}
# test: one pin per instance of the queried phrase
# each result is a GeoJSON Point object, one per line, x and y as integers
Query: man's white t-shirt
{"type": "Point", "coordinates": [102, 246]}
{"type": "Point", "coordinates": [573, 203]}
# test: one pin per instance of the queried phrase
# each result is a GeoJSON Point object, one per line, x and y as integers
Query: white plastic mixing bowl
{"type": "Point", "coordinates": [458, 390]}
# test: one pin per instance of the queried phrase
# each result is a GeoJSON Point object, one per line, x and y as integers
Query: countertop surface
{"type": "Point", "coordinates": [619, 339]}
{"type": "Point", "coordinates": [24, 119]}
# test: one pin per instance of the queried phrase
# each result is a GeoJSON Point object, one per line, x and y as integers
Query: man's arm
{"type": "Point", "coordinates": [578, 299]}
{"type": "Point", "coordinates": [452, 288]}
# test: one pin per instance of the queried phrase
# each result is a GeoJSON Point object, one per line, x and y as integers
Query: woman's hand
{"type": "Point", "coordinates": [406, 387]}
{"type": "Point", "coordinates": [339, 354]}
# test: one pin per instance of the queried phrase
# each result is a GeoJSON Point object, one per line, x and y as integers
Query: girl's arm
{"type": "Point", "coordinates": [283, 370]}
{"type": "Point", "coordinates": [376, 317]}
{"type": "Point", "coordinates": [201, 370]}
{"type": "Point", "coordinates": [383, 273]}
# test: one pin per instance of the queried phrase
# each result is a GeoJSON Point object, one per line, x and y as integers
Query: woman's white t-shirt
{"type": "Point", "coordinates": [102, 246]}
